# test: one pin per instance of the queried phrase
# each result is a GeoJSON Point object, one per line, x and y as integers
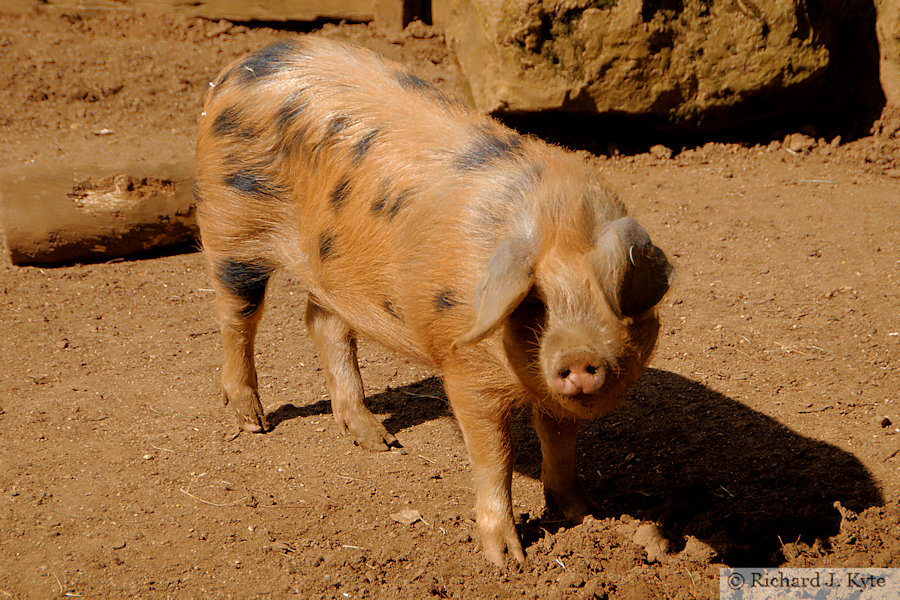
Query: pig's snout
{"type": "Point", "coordinates": [580, 373]}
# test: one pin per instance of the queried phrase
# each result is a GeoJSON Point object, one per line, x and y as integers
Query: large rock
{"type": "Point", "coordinates": [681, 60]}
{"type": "Point", "coordinates": [888, 28]}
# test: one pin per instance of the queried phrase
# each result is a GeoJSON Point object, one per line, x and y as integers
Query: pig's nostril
{"type": "Point", "coordinates": [564, 373]}
{"type": "Point", "coordinates": [591, 370]}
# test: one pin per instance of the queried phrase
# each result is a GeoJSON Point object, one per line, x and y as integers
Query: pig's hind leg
{"type": "Point", "coordinates": [240, 289]}
{"type": "Point", "coordinates": [337, 351]}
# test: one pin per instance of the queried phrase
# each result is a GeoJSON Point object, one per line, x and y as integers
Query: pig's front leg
{"type": "Point", "coordinates": [337, 351]}
{"type": "Point", "coordinates": [485, 426]}
{"type": "Point", "coordinates": [561, 487]}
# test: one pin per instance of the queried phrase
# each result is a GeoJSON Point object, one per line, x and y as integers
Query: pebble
{"type": "Point", "coordinates": [570, 580]}
{"type": "Point", "coordinates": [651, 538]}
{"type": "Point", "coordinates": [661, 152]}
{"type": "Point", "coordinates": [797, 142]}
{"type": "Point", "coordinates": [697, 550]}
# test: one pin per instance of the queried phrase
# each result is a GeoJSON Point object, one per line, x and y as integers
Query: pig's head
{"type": "Point", "coordinates": [577, 310]}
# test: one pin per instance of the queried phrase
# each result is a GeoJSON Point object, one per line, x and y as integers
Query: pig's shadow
{"type": "Point", "coordinates": [691, 459]}
{"type": "Point", "coordinates": [702, 464]}
{"type": "Point", "coordinates": [406, 406]}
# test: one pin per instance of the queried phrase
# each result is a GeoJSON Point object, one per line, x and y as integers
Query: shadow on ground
{"type": "Point", "coordinates": [700, 463]}
{"type": "Point", "coordinates": [679, 453]}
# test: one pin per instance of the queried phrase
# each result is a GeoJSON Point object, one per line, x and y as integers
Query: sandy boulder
{"type": "Point", "coordinates": [887, 26]}
{"type": "Point", "coordinates": [690, 60]}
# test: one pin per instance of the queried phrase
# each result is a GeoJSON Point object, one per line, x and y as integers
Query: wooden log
{"type": "Point", "coordinates": [234, 10]}
{"type": "Point", "coordinates": [391, 16]}
{"type": "Point", "coordinates": [54, 215]}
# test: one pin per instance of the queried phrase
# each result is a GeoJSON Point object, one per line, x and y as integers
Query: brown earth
{"type": "Point", "coordinates": [772, 396]}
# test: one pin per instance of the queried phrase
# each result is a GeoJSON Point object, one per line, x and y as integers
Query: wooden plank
{"type": "Point", "coordinates": [234, 10]}
{"type": "Point", "coordinates": [391, 16]}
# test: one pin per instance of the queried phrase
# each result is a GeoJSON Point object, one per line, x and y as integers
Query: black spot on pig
{"type": "Point", "coordinates": [326, 246]}
{"type": "Point", "coordinates": [265, 62]}
{"type": "Point", "coordinates": [415, 84]}
{"type": "Point", "coordinates": [227, 122]}
{"type": "Point", "coordinates": [246, 281]}
{"type": "Point", "coordinates": [399, 202]}
{"type": "Point", "coordinates": [391, 309]}
{"type": "Point", "coordinates": [253, 183]}
{"type": "Point", "coordinates": [445, 300]}
{"type": "Point", "coordinates": [362, 147]}
{"type": "Point", "coordinates": [340, 193]}
{"type": "Point", "coordinates": [382, 197]}
{"type": "Point", "coordinates": [294, 106]}
{"type": "Point", "coordinates": [336, 125]}
{"type": "Point", "coordinates": [488, 146]}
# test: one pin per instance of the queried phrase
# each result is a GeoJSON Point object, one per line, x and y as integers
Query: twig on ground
{"type": "Point", "coordinates": [199, 499]}
{"type": "Point", "coordinates": [58, 582]}
{"type": "Point", "coordinates": [162, 414]}
{"type": "Point", "coordinates": [422, 395]}
{"type": "Point", "coordinates": [353, 479]}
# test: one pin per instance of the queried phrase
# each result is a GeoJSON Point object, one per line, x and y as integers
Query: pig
{"type": "Point", "coordinates": [503, 261]}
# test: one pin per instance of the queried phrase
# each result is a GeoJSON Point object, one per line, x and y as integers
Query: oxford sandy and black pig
{"type": "Point", "coordinates": [413, 221]}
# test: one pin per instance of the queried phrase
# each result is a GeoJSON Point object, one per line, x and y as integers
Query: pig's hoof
{"type": "Point", "coordinates": [369, 434]}
{"type": "Point", "coordinates": [497, 542]}
{"type": "Point", "coordinates": [574, 506]}
{"type": "Point", "coordinates": [248, 411]}
{"type": "Point", "coordinates": [253, 421]}
{"type": "Point", "coordinates": [260, 425]}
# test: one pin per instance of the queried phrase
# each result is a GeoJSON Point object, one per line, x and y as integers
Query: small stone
{"type": "Point", "coordinates": [799, 143]}
{"type": "Point", "coordinates": [651, 538]}
{"type": "Point", "coordinates": [885, 422]}
{"type": "Point", "coordinates": [282, 547]}
{"type": "Point", "coordinates": [593, 588]}
{"type": "Point", "coordinates": [408, 516]}
{"type": "Point", "coordinates": [639, 590]}
{"type": "Point", "coordinates": [148, 457]}
{"type": "Point", "coordinates": [62, 344]}
{"type": "Point", "coordinates": [697, 550]}
{"type": "Point", "coordinates": [570, 580]}
{"type": "Point", "coordinates": [661, 152]}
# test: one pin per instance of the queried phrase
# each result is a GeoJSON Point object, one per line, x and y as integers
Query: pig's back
{"type": "Point", "coordinates": [381, 194]}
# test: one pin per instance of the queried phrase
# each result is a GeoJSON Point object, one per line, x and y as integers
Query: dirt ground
{"type": "Point", "coordinates": [766, 432]}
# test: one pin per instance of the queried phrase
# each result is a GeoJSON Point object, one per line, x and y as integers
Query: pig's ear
{"type": "Point", "coordinates": [504, 285]}
{"type": "Point", "coordinates": [633, 273]}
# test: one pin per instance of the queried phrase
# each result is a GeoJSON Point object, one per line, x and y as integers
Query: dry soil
{"type": "Point", "coordinates": [764, 433]}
